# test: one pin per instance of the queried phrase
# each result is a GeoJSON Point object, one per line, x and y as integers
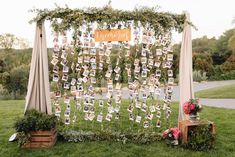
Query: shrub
{"type": "Point", "coordinates": [138, 138]}
{"type": "Point", "coordinates": [15, 80]}
{"type": "Point", "coordinates": [200, 138]}
{"type": "Point", "coordinates": [34, 121]}
{"type": "Point", "coordinates": [229, 64]}
{"type": "Point", "coordinates": [230, 75]}
{"type": "Point", "coordinates": [199, 76]}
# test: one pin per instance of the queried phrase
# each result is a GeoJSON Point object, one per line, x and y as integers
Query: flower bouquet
{"type": "Point", "coordinates": [171, 136]}
{"type": "Point", "coordinates": [191, 108]}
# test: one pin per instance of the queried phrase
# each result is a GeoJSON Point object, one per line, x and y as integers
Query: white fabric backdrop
{"type": "Point", "coordinates": [185, 69]}
{"type": "Point", "coordinates": [38, 95]}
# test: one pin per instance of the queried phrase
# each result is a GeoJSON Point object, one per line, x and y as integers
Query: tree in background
{"type": "Point", "coordinates": [231, 43]}
{"type": "Point", "coordinates": [204, 45]}
{"type": "Point", "coordinates": [9, 41]}
{"type": "Point", "coordinates": [15, 80]}
{"type": "Point", "coordinates": [14, 66]}
{"type": "Point", "coordinates": [223, 51]}
{"type": "Point", "coordinates": [2, 66]}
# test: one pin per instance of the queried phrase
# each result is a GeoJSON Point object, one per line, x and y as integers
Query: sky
{"type": "Point", "coordinates": [211, 17]}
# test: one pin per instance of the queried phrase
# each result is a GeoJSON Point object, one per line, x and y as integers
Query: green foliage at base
{"type": "Point", "coordinates": [200, 138]}
{"type": "Point", "coordinates": [138, 138]}
{"type": "Point", "coordinates": [34, 121]}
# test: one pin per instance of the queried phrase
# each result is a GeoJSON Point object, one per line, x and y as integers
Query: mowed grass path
{"type": "Point", "coordinates": [225, 139]}
{"type": "Point", "coordinates": [227, 91]}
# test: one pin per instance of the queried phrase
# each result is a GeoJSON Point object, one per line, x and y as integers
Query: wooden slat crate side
{"type": "Point", "coordinates": [38, 144]}
{"type": "Point", "coordinates": [43, 138]}
{"type": "Point", "coordinates": [46, 133]}
{"type": "Point", "coordinates": [41, 142]}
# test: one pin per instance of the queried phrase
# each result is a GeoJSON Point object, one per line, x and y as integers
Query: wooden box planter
{"type": "Point", "coordinates": [41, 139]}
{"type": "Point", "coordinates": [185, 126]}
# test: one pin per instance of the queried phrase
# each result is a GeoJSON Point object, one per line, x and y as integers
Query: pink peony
{"type": "Point", "coordinates": [192, 107]}
{"type": "Point", "coordinates": [176, 132]}
{"type": "Point", "coordinates": [165, 133]}
{"type": "Point", "coordinates": [185, 107]}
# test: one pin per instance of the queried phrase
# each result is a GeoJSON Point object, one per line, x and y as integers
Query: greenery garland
{"type": "Point", "coordinates": [82, 136]}
{"type": "Point", "coordinates": [65, 18]}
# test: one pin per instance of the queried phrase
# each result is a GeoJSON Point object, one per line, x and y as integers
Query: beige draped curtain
{"type": "Point", "coordinates": [185, 69]}
{"type": "Point", "coordinates": [38, 95]}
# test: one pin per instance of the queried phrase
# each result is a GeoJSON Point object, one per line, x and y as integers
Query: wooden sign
{"type": "Point", "coordinates": [113, 35]}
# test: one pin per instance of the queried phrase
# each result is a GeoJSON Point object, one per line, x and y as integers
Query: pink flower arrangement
{"type": "Point", "coordinates": [171, 134]}
{"type": "Point", "coordinates": [192, 107]}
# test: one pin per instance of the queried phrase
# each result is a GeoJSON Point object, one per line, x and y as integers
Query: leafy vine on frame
{"type": "Point", "coordinates": [64, 18]}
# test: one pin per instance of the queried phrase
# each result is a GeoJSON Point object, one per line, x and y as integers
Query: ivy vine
{"type": "Point", "coordinates": [64, 18]}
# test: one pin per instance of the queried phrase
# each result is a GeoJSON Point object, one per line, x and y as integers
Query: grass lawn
{"type": "Point", "coordinates": [225, 139]}
{"type": "Point", "coordinates": [227, 91]}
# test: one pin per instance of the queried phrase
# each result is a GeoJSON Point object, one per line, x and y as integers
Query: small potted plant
{"type": "Point", "coordinates": [36, 129]}
{"type": "Point", "coordinates": [191, 108]}
{"type": "Point", "coordinates": [171, 136]}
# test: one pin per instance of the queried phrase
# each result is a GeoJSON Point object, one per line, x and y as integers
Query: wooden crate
{"type": "Point", "coordinates": [187, 125]}
{"type": "Point", "coordinates": [41, 139]}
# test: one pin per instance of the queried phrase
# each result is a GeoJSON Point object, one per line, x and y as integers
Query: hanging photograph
{"type": "Point", "coordinates": [130, 108]}
{"type": "Point", "coordinates": [64, 62]}
{"type": "Point", "coordinates": [57, 94]}
{"type": "Point", "coordinates": [64, 55]}
{"type": "Point", "coordinates": [100, 118]}
{"type": "Point", "coordinates": [56, 77]}
{"type": "Point", "coordinates": [67, 113]}
{"type": "Point", "coordinates": [117, 115]}
{"type": "Point", "coordinates": [109, 117]}
{"type": "Point", "coordinates": [55, 69]}
{"type": "Point", "coordinates": [74, 118]}
{"type": "Point", "coordinates": [146, 124]}
{"type": "Point", "coordinates": [152, 108]}
{"type": "Point", "coordinates": [144, 107]}
{"type": "Point", "coordinates": [138, 119]}
{"type": "Point", "coordinates": [66, 100]}
{"type": "Point", "coordinates": [78, 106]}
{"type": "Point", "coordinates": [101, 103]}
{"type": "Point", "coordinates": [158, 123]}
{"type": "Point", "coordinates": [158, 52]}
{"type": "Point", "coordinates": [170, 73]}
{"type": "Point", "coordinates": [57, 109]}
{"type": "Point", "coordinates": [54, 61]}
{"type": "Point", "coordinates": [91, 116]}
{"type": "Point", "coordinates": [65, 69]}
{"type": "Point", "coordinates": [158, 73]}
{"type": "Point", "coordinates": [55, 54]}
{"type": "Point", "coordinates": [65, 77]}
{"type": "Point", "coordinates": [67, 120]}
{"type": "Point", "coordinates": [170, 57]}
{"type": "Point", "coordinates": [158, 114]}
